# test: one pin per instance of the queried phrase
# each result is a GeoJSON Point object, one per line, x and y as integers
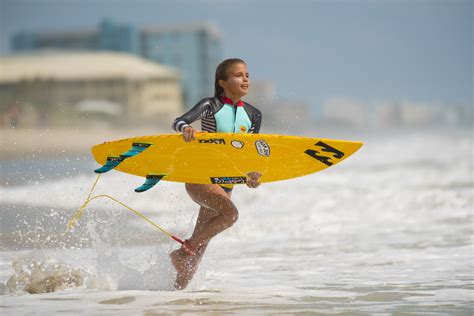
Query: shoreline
{"type": "Point", "coordinates": [47, 142]}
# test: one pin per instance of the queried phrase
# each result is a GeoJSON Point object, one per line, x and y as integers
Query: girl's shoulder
{"type": "Point", "coordinates": [209, 99]}
{"type": "Point", "coordinates": [212, 104]}
{"type": "Point", "coordinates": [214, 101]}
{"type": "Point", "coordinates": [252, 108]}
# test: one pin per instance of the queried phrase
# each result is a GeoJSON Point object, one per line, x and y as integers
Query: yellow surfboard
{"type": "Point", "coordinates": [221, 158]}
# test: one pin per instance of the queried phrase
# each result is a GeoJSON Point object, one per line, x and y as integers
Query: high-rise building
{"type": "Point", "coordinates": [71, 40]}
{"type": "Point", "coordinates": [194, 49]}
{"type": "Point", "coordinates": [119, 37]}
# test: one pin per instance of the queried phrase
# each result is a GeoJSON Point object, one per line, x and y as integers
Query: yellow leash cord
{"type": "Point", "coordinates": [78, 214]}
{"type": "Point", "coordinates": [80, 211]}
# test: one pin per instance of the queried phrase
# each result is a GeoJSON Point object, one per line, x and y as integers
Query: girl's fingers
{"type": "Point", "coordinates": [188, 134]}
{"type": "Point", "coordinates": [252, 184]}
{"type": "Point", "coordinates": [254, 175]}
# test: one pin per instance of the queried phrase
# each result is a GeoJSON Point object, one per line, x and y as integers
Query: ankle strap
{"type": "Point", "coordinates": [188, 249]}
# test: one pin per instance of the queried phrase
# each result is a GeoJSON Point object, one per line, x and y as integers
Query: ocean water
{"type": "Point", "coordinates": [387, 232]}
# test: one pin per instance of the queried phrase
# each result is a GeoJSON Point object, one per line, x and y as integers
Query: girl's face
{"type": "Point", "coordinates": [237, 83]}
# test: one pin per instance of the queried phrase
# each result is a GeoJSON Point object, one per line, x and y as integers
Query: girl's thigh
{"type": "Point", "coordinates": [210, 196]}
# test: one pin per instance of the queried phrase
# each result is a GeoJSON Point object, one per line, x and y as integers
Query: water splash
{"type": "Point", "coordinates": [42, 276]}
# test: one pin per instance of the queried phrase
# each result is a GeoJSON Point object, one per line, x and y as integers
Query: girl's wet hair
{"type": "Point", "coordinates": [222, 73]}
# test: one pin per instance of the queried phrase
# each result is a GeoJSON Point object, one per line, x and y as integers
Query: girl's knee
{"type": "Point", "coordinates": [232, 217]}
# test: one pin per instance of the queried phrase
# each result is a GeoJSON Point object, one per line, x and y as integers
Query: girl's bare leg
{"type": "Point", "coordinates": [213, 197]}
{"type": "Point", "coordinates": [186, 265]}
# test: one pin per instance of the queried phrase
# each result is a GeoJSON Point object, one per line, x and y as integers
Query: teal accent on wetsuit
{"type": "Point", "coordinates": [232, 119]}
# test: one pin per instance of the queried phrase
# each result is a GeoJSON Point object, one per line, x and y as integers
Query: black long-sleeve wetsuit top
{"type": "Point", "coordinates": [219, 114]}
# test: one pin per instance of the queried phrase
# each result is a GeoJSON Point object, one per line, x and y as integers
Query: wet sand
{"type": "Point", "coordinates": [35, 142]}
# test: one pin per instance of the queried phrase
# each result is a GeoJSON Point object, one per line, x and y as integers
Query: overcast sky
{"type": "Point", "coordinates": [410, 50]}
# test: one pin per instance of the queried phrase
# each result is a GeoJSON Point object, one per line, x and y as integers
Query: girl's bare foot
{"type": "Point", "coordinates": [178, 259]}
{"type": "Point", "coordinates": [186, 266]}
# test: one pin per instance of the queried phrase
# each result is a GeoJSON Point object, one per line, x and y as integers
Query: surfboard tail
{"type": "Point", "coordinates": [113, 161]}
{"type": "Point", "coordinates": [150, 182]}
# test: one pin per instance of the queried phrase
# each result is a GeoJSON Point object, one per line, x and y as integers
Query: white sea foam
{"type": "Point", "coordinates": [387, 231]}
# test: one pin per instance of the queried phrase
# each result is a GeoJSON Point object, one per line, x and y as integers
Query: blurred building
{"type": "Point", "coordinates": [344, 112]}
{"type": "Point", "coordinates": [419, 114]}
{"type": "Point", "coordinates": [64, 85]}
{"type": "Point", "coordinates": [73, 40]}
{"type": "Point", "coordinates": [282, 116]}
{"type": "Point", "coordinates": [109, 36]}
{"type": "Point", "coordinates": [194, 49]}
{"type": "Point", "coordinates": [384, 114]}
{"type": "Point", "coordinates": [289, 117]}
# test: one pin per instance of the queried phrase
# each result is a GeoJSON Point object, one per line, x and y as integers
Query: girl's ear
{"type": "Point", "coordinates": [222, 83]}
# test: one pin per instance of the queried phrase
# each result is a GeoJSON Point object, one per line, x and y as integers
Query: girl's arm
{"type": "Point", "coordinates": [198, 111]}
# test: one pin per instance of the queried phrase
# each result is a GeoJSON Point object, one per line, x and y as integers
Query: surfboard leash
{"type": "Point", "coordinates": [80, 212]}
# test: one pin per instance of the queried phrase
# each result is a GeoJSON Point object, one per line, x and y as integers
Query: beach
{"type": "Point", "coordinates": [40, 142]}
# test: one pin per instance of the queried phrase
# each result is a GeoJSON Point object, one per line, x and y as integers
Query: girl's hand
{"type": "Point", "coordinates": [252, 179]}
{"type": "Point", "coordinates": [188, 134]}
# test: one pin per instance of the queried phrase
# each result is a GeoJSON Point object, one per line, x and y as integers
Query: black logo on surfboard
{"type": "Point", "coordinates": [324, 148]}
{"type": "Point", "coordinates": [217, 141]}
{"type": "Point", "coordinates": [228, 180]}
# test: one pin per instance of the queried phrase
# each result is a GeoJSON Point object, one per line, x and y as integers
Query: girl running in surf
{"type": "Point", "coordinates": [225, 112]}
